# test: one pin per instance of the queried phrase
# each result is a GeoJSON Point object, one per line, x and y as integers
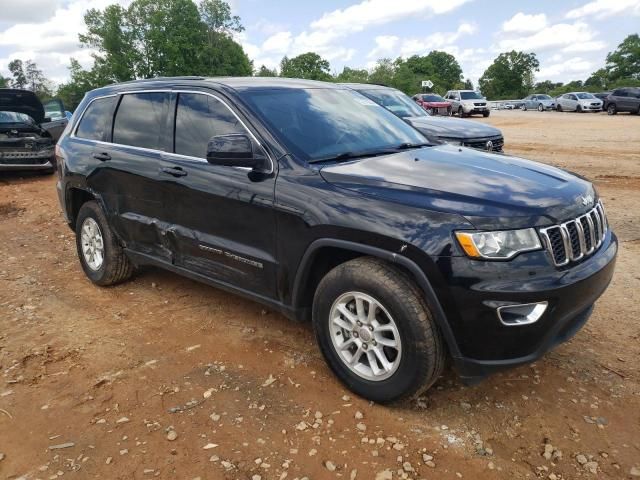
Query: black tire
{"type": "Point", "coordinates": [558, 108]}
{"type": "Point", "coordinates": [115, 267]}
{"type": "Point", "coordinates": [578, 109]}
{"type": "Point", "coordinates": [461, 112]}
{"type": "Point", "coordinates": [486, 113]}
{"type": "Point", "coordinates": [611, 109]}
{"type": "Point", "coordinates": [524, 108]}
{"type": "Point", "coordinates": [449, 111]}
{"type": "Point", "coordinates": [423, 351]}
{"type": "Point", "coordinates": [540, 108]}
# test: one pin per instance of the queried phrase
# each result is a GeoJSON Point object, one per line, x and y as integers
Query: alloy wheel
{"type": "Point", "coordinates": [92, 244]}
{"type": "Point", "coordinates": [365, 336]}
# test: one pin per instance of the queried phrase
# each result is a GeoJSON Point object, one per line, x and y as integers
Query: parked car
{"type": "Point", "coordinates": [453, 131]}
{"type": "Point", "coordinates": [27, 136]}
{"type": "Point", "coordinates": [602, 96]}
{"type": "Point", "coordinates": [578, 102]}
{"type": "Point", "coordinates": [538, 102]}
{"type": "Point", "coordinates": [467, 102]}
{"type": "Point", "coordinates": [433, 103]}
{"type": "Point", "coordinates": [625, 99]}
{"type": "Point", "coordinates": [314, 200]}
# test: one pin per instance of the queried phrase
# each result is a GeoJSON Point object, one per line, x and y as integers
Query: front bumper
{"type": "Point", "coordinates": [26, 161]}
{"type": "Point", "coordinates": [593, 108]}
{"type": "Point", "coordinates": [477, 288]}
{"type": "Point", "coordinates": [26, 167]}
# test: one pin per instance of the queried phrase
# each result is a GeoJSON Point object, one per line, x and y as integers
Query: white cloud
{"type": "Point", "coordinates": [560, 35]}
{"type": "Point", "coordinates": [521, 22]}
{"type": "Point", "coordinates": [378, 12]}
{"type": "Point", "coordinates": [571, 68]}
{"type": "Point", "coordinates": [438, 40]}
{"type": "Point", "coordinates": [606, 8]}
{"type": "Point", "coordinates": [385, 45]}
{"type": "Point", "coordinates": [28, 11]}
{"type": "Point", "coordinates": [593, 46]}
{"type": "Point", "coordinates": [277, 43]}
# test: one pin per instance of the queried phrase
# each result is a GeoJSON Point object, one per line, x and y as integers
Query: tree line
{"type": "Point", "coordinates": [152, 38]}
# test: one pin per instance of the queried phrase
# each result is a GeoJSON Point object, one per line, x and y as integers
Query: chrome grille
{"type": "Point", "coordinates": [570, 241]}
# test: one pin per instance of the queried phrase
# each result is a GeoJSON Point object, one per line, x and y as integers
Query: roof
{"type": "Point", "coordinates": [234, 83]}
{"type": "Point", "coordinates": [366, 86]}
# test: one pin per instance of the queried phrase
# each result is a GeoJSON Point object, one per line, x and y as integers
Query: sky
{"type": "Point", "coordinates": [570, 37]}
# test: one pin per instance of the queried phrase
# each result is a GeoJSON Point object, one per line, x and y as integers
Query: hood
{"type": "Point", "coordinates": [449, 127]}
{"type": "Point", "coordinates": [491, 191]}
{"type": "Point", "coordinates": [23, 101]}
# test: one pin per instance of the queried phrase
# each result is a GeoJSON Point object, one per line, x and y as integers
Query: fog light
{"type": "Point", "coordinates": [521, 314]}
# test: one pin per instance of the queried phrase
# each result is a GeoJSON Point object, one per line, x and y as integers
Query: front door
{"type": "Point", "coordinates": [224, 220]}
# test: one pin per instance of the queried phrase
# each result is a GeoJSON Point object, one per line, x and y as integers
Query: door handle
{"type": "Point", "coordinates": [102, 156]}
{"type": "Point", "coordinates": [175, 171]}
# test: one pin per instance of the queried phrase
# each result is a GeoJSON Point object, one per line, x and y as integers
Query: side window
{"type": "Point", "coordinates": [141, 120]}
{"type": "Point", "coordinates": [198, 118]}
{"type": "Point", "coordinates": [620, 93]}
{"type": "Point", "coordinates": [95, 124]}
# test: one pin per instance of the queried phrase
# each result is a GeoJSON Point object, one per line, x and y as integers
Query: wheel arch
{"type": "Point", "coordinates": [316, 263]}
{"type": "Point", "coordinates": [75, 197]}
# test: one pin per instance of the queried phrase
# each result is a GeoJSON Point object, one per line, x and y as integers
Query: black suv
{"type": "Point", "coordinates": [625, 99]}
{"type": "Point", "coordinates": [314, 200]}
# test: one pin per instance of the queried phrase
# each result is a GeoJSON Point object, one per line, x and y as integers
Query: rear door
{"type": "Point", "coordinates": [131, 172]}
{"type": "Point", "coordinates": [225, 226]}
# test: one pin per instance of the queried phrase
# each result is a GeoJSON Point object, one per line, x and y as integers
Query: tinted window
{"type": "Point", "coordinates": [394, 101]}
{"type": "Point", "coordinates": [140, 120]}
{"type": "Point", "coordinates": [95, 124]}
{"type": "Point", "coordinates": [620, 93]}
{"type": "Point", "coordinates": [200, 117]}
{"type": "Point", "coordinates": [318, 123]}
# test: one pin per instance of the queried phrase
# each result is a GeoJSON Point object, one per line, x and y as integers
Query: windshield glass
{"type": "Point", "coordinates": [471, 96]}
{"type": "Point", "coordinates": [432, 98]}
{"type": "Point", "coordinates": [395, 101]}
{"type": "Point", "coordinates": [584, 95]}
{"type": "Point", "coordinates": [544, 97]}
{"type": "Point", "coordinates": [316, 123]}
{"type": "Point", "coordinates": [15, 117]}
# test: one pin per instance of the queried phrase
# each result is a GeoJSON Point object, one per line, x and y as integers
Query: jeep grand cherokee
{"type": "Point", "coordinates": [312, 199]}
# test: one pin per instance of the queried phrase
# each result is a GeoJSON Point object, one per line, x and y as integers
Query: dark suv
{"type": "Point", "coordinates": [314, 200]}
{"type": "Point", "coordinates": [625, 99]}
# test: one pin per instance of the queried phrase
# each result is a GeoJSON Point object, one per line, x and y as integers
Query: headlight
{"type": "Point", "coordinates": [498, 245]}
{"type": "Point", "coordinates": [451, 141]}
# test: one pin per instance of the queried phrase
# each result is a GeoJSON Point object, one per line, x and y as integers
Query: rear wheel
{"type": "Point", "coordinates": [524, 107]}
{"type": "Point", "coordinates": [101, 256]}
{"type": "Point", "coordinates": [376, 331]}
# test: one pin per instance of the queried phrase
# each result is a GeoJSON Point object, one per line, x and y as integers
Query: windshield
{"type": "Point", "coordinates": [584, 95]}
{"type": "Point", "coordinates": [544, 97]}
{"type": "Point", "coordinates": [432, 98]}
{"type": "Point", "coordinates": [395, 101]}
{"type": "Point", "coordinates": [319, 123]}
{"type": "Point", "coordinates": [471, 96]}
{"type": "Point", "coordinates": [15, 117]}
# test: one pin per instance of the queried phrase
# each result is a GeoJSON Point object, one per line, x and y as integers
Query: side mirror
{"type": "Point", "coordinates": [234, 150]}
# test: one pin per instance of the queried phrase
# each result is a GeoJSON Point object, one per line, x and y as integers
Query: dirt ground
{"type": "Point", "coordinates": [97, 382]}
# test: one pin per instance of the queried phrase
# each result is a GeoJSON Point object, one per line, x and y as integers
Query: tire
{"type": "Point", "coordinates": [540, 108]}
{"type": "Point", "coordinates": [558, 108]}
{"type": "Point", "coordinates": [524, 108]}
{"type": "Point", "coordinates": [486, 114]}
{"type": "Point", "coordinates": [611, 109]}
{"type": "Point", "coordinates": [115, 267]}
{"type": "Point", "coordinates": [449, 111]}
{"type": "Point", "coordinates": [421, 357]}
{"type": "Point", "coordinates": [578, 109]}
{"type": "Point", "coordinates": [461, 112]}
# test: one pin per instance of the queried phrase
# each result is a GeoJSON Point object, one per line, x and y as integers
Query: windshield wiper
{"type": "Point", "coordinates": [352, 155]}
{"type": "Point", "coordinates": [408, 146]}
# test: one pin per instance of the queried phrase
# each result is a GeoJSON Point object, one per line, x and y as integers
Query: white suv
{"type": "Point", "coordinates": [467, 102]}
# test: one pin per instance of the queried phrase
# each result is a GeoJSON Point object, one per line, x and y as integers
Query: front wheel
{"type": "Point", "coordinates": [486, 113]}
{"type": "Point", "coordinates": [611, 109]}
{"type": "Point", "coordinates": [376, 331]}
{"type": "Point", "coordinates": [101, 256]}
{"type": "Point", "coordinates": [540, 108]}
{"type": "Point", "coordinates": [559, 108]}
{"type": "Point", "coordinates": [461, 112]}
{"type": "Point", "coordinates": [579, 109]}
{"type": "Point", "coordinates": [524, 108]}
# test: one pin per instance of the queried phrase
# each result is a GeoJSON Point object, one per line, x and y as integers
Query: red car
{"type": "Point", "coordinates": [433, 103]}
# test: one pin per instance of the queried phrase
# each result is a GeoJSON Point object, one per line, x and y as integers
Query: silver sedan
{"type": "Point", "coordinates": [578, 102]}
{"type": "Point", "coordinates": [538, 102]}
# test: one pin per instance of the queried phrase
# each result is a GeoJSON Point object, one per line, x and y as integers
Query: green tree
{"type": "Point", "coordinates": [509, 76]}
{"type": "Point", "coordinates": [17, 70]}
{"type": "Point", "coordinates": [225, 57]}
{"type": "Point", "coordinates": [468, 84]}
{"type": "Point", "coordinates": [308, 65]}
{"type": "Point", "coordinates": [216, 15]}
{"type": "Point", "coordinates": [266, 72]}
{"type": "Point", "coordinates": [352, 75]}
{"type": "Point", "coordinates": [36, 80]}
{"type": "Point", "coordinates": [624, 61]}
{"type": "Point", "coordinates": [441, 68]}
{"type": "Point", "coordinates": [598, 79]}
{"type": "Point", "coordinates": [546, 86]}
{"type": "Point", "coordinates": [81, 81]}
{"type": "Point", "coordinates": [4, 82]}
{"type": "Point", "coordinates": [383, 72]}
